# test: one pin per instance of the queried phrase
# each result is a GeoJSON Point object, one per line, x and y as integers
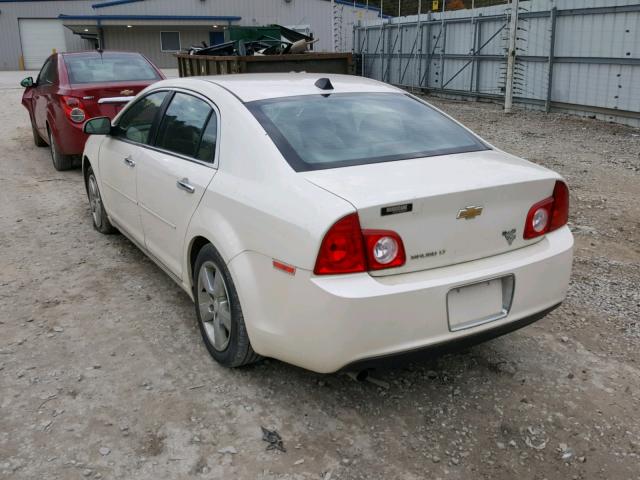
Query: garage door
{"type": "Point", "coordinates": [39, 37]}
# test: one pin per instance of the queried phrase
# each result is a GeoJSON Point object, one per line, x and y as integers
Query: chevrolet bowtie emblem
{"type": "Point", "coordinates": [126, 92]}
{"type": "Point", "coordinates": [469, 213]}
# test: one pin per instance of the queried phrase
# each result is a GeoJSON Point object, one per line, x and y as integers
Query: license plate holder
{"type": "Point", "coordinates": [477, 303]}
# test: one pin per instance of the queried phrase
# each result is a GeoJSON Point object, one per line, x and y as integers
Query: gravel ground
{"type": "Point", "coordinates": [103, 373]}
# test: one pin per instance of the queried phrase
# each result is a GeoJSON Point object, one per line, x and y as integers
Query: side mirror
{"type": "Point", "coordinates": [97, 126]}
{"type": "Point", "coordinates": [27, 82]}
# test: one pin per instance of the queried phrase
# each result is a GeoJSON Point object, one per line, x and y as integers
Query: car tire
{"type": "Point", "coordinates": [219, 312]}
{"type": "Point", "coordinates": [37, 139]}
{"type": "Point", "coordinates": [98, 213]}
{"type": "Point", "coordinates": [60, 161]}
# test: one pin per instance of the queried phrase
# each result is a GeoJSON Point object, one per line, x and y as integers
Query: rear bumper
{"type": "Point", "coordinates": [448, 346]}
{"type": "Point", "coordinates": [327, 323]}
{"type": "Point", "coordinates": [69, 136]}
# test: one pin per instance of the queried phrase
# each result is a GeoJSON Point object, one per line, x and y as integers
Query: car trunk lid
{"type": "Point", "coordinates": [447, 209]}
{"type": "Point", "coordinates": [106, 99]}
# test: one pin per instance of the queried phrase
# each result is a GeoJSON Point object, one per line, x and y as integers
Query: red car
{"type": "Point", "coordinates": [74, 87]}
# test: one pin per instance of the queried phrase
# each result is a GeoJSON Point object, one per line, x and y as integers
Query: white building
{"type": "Point", "coordinates": [30, 30]}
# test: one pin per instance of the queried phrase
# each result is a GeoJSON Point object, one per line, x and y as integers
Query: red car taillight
{"type": "Point", "coordinates": [560, 214]}
{"type": "Point", "coordinates": [342, 249]}
{"type": "Point", "coordinates": [346, 248]}
{"type": "Point", "coordinates": [549, 214]}
{"type": "Point", "coordinates": [384, 249]}
{"type": "Point", "coordinates": [73, 109]}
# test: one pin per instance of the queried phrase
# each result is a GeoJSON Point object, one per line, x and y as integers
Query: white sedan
{"type": "Point", "coordinates": [328, 221]}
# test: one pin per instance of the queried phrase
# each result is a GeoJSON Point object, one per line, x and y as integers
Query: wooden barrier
{"type": "Point", "coordinates": [202, 65]}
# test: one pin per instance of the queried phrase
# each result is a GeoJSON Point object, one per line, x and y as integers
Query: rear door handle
{"type": "Point", "coordinates": [185, 185]}
{"type": "Point", "coordinates": [128, 161]}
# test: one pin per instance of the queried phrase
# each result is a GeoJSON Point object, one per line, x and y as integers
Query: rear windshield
{"type": "Point", "coordinates": [327, 131]}
{"type": "Point", "coordinates": [109, 67]}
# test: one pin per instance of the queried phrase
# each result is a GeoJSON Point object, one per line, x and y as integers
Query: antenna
{"type": "Point", "coordinates": [324, 84]}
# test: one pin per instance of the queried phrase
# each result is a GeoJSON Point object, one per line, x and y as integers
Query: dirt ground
{"type": "Point", "coordinates": [103, 373]}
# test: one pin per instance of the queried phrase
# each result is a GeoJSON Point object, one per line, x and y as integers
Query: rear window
{"type": "Point", "coordinates": [327, 131]}
{"type": "Point", "coordinates": [109, 67]}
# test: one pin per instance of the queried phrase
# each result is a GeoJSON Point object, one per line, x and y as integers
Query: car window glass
{"type": "Point", "coordinates": [43, 71]}
{"type": "Point", "coordinates": [46, 74]}
{"type": "Point", "coordinates": [207, 149]}
{"type": "Point", "coordinates": [94, 67]}
{"type": "Point", "coordinates": [182, 125]}
{"type": "Point", "coordinates": [52, 72]}
{"type": "Point", "coordinates": [328, 131]}
{"type": "Point", "coordinates": [135, 124]}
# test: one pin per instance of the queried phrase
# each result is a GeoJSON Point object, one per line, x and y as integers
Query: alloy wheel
{"type": "Point", "coordinates": [95, 202]}
{"type": "Point", "coordinates": [214, 306]}
{"type": "Point", "coordinates": [52, 150]}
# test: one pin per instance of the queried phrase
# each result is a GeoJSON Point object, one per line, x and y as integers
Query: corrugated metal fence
{"type": "Point", "coordinates": [581, 56]}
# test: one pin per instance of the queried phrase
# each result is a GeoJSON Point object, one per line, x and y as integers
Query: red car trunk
{"type": "Point", "coordinates": [103, 99]}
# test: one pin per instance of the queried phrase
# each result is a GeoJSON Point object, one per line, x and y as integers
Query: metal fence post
{"type": "Point", "coordinates": [353, 43]}
{"type": "Point", "coordinates": [365, 50]}
{"type": "Point", "coordinates": [430, 51]}
{"type": "Point", "coordinates": [375, 54]}
{"type": "Point", "coordinates": [418, 57]}
{"type": "Point", "coordinates": [390, 46]}
{"type": "Point", "coordinates": [333, 25]}
{"type": "Point", "coordinates": [552, 48]}
{"type": "Point", "coordinates": [401, 35]}
{"type": "Point", "coordinates": [362, 48]}
{"type": "Point", "coordinates": [511, 58]}
{"type": "Point", "coordinates": [474, 51]}
{"type": "Point", "coordinates": [479, 42]}
{"type": "Point", "coordinates": [443, 52]}
{"type": "Point", "coordinates": [400, 52]}
{"type": "Point", "coordinates": [382, 52]}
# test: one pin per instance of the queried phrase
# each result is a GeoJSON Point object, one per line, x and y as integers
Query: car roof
{"type": "Point", "coordinates": [97, 53]}
{"type": "Point", "coordinates": [261, 86]}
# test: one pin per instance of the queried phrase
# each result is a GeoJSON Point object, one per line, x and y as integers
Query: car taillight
{"type": "Point", "coordinates": [73, 109]}
{"type": "Point", "coordinates": [346, 248]}
{"type": "Point", "coordinates": [342, 249]}
{"type": "Point", "coordinates": [560, 214]}
{"type": "Point", "coordinates": [384, 249]}
{"type": "Point", "coordinates": [548, 214]}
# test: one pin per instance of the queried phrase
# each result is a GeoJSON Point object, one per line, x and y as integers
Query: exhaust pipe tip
{"type": "Point", "coordinates": [359, 375]}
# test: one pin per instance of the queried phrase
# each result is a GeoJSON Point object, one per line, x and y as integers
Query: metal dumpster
{"type": "Point", "coordinates": [198, 65]}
